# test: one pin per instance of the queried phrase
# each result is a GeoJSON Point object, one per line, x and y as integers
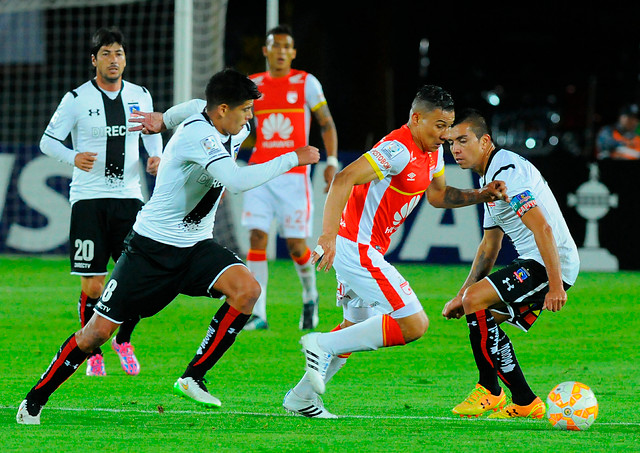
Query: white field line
{"type": "Point", "coordinates": [215, 412]}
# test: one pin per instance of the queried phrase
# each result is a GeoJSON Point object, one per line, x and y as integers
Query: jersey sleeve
{"type": "Point", "coordinates": [58, 129]}
{"type": "Point", "coordinates": [178, 113]}
{"type": "Point", "coordinates": [314, 96]}
{"type": "Point", "coordinates": [388, 158]}
{"type": "Point", "coordinates": [152, 143]}
{"type": "Point", "coordinates": [488, 221]}
{"type": "Point", "coordinates": [519, 185]}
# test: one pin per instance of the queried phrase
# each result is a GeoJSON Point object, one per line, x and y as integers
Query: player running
{"type": "Point", "coordinates": [368, 201]}
{"type": "Point", "coordinates": [171, 250]}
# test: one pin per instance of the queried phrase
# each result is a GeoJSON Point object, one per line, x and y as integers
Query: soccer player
{"type": "Point", "coordinates": [171, 251]}
{"type": "Point", "coordinates": [367, 203]}
{"type": "Point", "coordinates": [547, 265]}
{"type": "Point", "coordinates": [283, 114]}
{"type": "Point", "coordinates": [105, 190]}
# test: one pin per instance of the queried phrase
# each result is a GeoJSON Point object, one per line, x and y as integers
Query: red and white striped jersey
{"type": "Point", "coordinates": [376, 210]}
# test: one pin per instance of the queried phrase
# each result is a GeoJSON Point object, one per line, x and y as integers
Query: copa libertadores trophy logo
{"type": "Point", "coordinates": [593, 201]}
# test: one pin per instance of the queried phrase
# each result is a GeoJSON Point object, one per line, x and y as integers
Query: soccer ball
{"type": "Point", "coordinates": [572, 406]}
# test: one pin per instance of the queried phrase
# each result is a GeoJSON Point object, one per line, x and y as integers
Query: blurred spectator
{"type": "Point", "coordinates": [621, 140]}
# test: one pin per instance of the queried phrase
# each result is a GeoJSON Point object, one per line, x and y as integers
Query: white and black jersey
{"type": "Point", "coordinates": [197, 165]}
{"type": "Point", "coordinates": [527, 189]}
{"type": "Point", "coordinates": [98, 122]}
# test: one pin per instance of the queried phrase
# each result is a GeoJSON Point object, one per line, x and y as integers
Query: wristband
{"type": "Point", "coordinates": [332, 161]}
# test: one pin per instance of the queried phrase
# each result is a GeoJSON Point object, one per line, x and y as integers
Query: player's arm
{"type": "Point", "coordinates": [485, 259]}
{"type": "Point", "coordinates": [535, 220]}
{"type": "Point", "coordinates": [440, 195]}
{"type": "Point", "coordinates": [154, 122]}
{"type": "Point", "coordinates": [361, 171]}
{"type": "Point", "coordinates": [152, 142]}
{"type": "Point", "coordinates": [240, 179]}
{"type": "Point", "coordinates": [330, 139]}
{"type": "Point", "coordinates": [58, 129]}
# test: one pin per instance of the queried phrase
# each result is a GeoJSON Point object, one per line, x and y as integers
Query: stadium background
{"type": "Point", "coordinates": [558, 72]}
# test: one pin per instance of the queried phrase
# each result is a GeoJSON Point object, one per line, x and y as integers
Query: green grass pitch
{"type": "Point", "coordinates": [391, 400]}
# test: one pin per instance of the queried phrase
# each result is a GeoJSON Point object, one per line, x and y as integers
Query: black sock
{"type": "Point", "coordinates": [125, 330]}
{"type": "Point", "coordinates": [85, 312]}
{"type": "Point", "coordinates": [480, 336]}
{"type": "Point", "coordinates": [511, 373]}
{"type": "Point", "coordinates": [222, 332]}
{"type": "Point", "coordinates": [63, 365]}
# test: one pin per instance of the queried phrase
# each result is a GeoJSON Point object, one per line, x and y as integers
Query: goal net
{"type": "Point", "coordinates": [45, 52]}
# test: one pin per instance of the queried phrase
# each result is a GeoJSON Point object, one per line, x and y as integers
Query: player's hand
{"type": "Point", "coordinates": [308, 155]}
{"type": "Point", "coordinates": [84, 161]}
{"type": "Point", "coordinates": [324, 253]}
{"type": "Point", "coordinates": [453, 309]}
{"type": "Point", "coordinates": [555, 300]}
{"type": "Point", "coordinates": [152, 165]}
{"type": "Point", "coordinates": [329, 173]}
{"type": "Point", "coordinates": [495, 190]}
{"type": "Point", "coordinates": [147, 122]}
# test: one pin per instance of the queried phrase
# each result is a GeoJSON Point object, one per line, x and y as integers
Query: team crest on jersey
{"type": "Point", "coordinates": [292, 97]}
{"type": "Point", "coordinates": [133, 106]}
{"type": "Point", "coordinates": [522, 202]}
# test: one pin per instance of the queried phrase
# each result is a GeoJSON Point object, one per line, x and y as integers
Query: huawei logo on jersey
{"type": "Point", "coordinates": [277, 123]}
{"type": "Point", "coordinates": [405, 210]}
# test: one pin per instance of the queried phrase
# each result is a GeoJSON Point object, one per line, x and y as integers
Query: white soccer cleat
{"type": "Point", "coordinates": [195, 390]}
{"type": "Point", "coordinates": [317, 361]}
{"type": "Point", "coordinates": [313, 408]}
{"type": "Point", "coordinates": [23, 417]}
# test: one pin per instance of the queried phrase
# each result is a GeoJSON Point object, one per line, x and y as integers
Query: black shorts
{"type": "Point", "coordinates": [522, 286]}
{"type": "Point", "coordinates": [149, 275]}
{"type": "Point", "coordinates": [97, 230]}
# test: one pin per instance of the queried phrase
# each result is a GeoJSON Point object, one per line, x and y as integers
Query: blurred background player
{"type": "Point", "coordinates": [170, 250]}
{"type": "Point", "coordinates": [283, 114]}
{"type": "Point", "coordinates": [367, 202]}
{"type": "Point", "coordinates": [105, 190]}
{"type": "Point", "coordinates": [547, 265]}
{"type": "Point", "coordinates": [621, 140]}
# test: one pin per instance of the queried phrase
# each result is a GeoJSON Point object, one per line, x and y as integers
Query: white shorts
{"type": "Point", "coordinates": [367, 283]}
{"type": "Point", "coordinates": [286, 198]}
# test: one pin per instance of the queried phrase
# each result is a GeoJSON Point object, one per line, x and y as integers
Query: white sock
{"type": "Point", "coordinates": [364, 336]}
{"type": "Point", "coordinates": [307, 275]}
{"type": "Point", "coordinates": [304, 389]}
{"type": "Point", "coordinates": [260, 271]}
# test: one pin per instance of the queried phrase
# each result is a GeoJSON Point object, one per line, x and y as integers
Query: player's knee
{"type": "Point", "coordinates": [245, 296]}
{"type": "Point", "coordinates": [471, 300]}
{"type": "Point", "coordinates": [93, 287]}
{"type": "Point", "coordinates": [92, 336]}
{"type": "Point", "coordinates": [297, 247]}
{"type": "Point", "coordinates": [416, 328]}
{"type": "Point", "coordinates": [258, 239]}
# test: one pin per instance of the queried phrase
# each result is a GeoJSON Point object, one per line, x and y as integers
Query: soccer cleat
{"type": "Point", "coordinates": [479, 401]}
{"type": "Point", "coordinates": [195, 390]}
{"type": "Point", "coordinates": [28, 413]}
{"type": "Point", "coordinates": [309, 317]}
{"type": "Point", "coordinates": [128, 359]}
{"type": "Point", "coordinates": [256, 323]}
{"type": "Point", "coordinates": [95, 365]}
{"type": "Point", "coordinates": [534, 410]}
{"type": "Point", "coordinates": [313, 408]}
{"type": "Point", "coordinates": [317, 361]}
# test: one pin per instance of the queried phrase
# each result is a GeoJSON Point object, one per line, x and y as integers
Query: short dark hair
{"type": "Point", "coordinates": [432, 97]}
{"type": "Point", "coordinates": [106, 37]}
{"type": "Point", "coordinates": [230, 87]}
{"type": "Point", "coordinates": [477, 122]}
{"type": "Point", "coordinates": [281, 29]}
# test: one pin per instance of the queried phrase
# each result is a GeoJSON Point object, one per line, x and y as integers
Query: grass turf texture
{"type": "Point", "coordinates": [396, 399]}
